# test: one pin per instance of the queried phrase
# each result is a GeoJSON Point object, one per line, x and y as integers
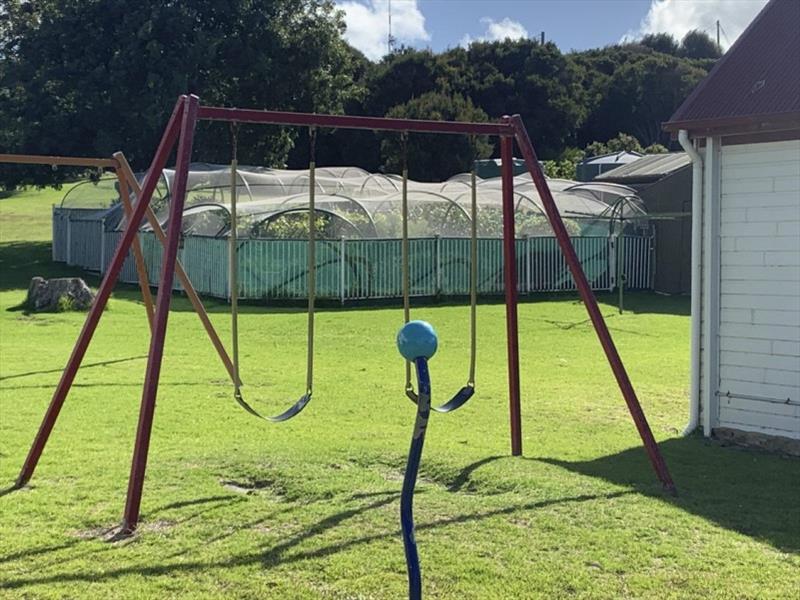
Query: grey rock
{"type": "Point", "coordinates": [62, 293]}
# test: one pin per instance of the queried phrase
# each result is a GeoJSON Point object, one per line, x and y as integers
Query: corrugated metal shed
{"type": "Point", "coordinates": [758, 79]}
{"type": "Point", "coordinates": [590, 168]}
{"type": "Point", "coordinates": [648, 168]}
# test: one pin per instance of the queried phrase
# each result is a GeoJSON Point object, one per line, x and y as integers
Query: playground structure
{"type": "Point", "coordinates": [180, 131]}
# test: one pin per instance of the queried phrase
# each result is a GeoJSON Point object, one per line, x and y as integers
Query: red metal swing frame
{"type": "Point", "coordinates": [180, 130]}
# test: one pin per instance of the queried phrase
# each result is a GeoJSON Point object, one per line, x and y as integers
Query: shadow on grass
{"type": "Point", "coordinates": [103, 363]}
{"type": "Point", "coordinates": [274, 556]}
{"type": "Point", "coordinates": [31, 552]}
{"type": "Point", "coordinates": [463, 477]}
{"type": "Point", "coordinates": [20, 261]}
{"type": "Point", "coordinates": [748, 491]}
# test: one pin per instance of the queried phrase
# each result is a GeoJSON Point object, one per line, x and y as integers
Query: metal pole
{"type": "Point", "coordinates": [153, 371]}
{"type": "Point", "coordinates": [621, 269]}
{"type": "Point", "coordinates": [96, 311]}
{"type": "Point", "coordinates": [510, 282]}
{"type": "Point", "coordinates": [245, 115]}
{"type": "Point", "coordinates": [69, 239]}
{"type": "Point", "coordinates": [102, 244]}
{"type": "Point", "coordinates": [342, 246]}
{"type": "Point", "coordinates": [592, 308]}
{"type": "Point", "coordinates": [410, 480]}
{"type": "Point", "coordinates": [438, 263]}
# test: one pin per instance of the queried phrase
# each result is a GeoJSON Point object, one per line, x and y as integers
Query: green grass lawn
{"type": "Point", "coordinates": [310, 509]}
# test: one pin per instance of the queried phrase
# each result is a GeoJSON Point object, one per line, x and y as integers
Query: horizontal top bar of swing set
{"type": "Point", "coordinates": [271, 117]}
{"type": "Point", "coordinates": [67, 161]}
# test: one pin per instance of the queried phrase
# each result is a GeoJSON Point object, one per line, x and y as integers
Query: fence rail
{"type": "Point", "coordinates": [350, 269]}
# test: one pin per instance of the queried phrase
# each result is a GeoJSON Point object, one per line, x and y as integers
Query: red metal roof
{"type": "Point", "coordinates": [757, 81]}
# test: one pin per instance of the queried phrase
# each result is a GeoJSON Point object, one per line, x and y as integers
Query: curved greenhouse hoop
{"type": "Point", "coordinates": [373, 176]}
{"type": "Point", "coordinates": [272, 216]}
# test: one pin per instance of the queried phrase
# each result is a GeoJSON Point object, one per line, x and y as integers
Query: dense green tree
{"type": "Point", "coordinates": [533, 79]}
{"type": "Point", "coordinates": [622, 142]}
{"type": "Point", "coordinates": [435, 157]}
{"type": "Point", "coordinates": [656, 149]}
{"type": "Point", "coordinates": [698, 44]}
{"type": "Point", "coordinates": [661, 42]}
{"type": "Point", "coordinates": [641, 95]}
{"type": "Point", "coordinates": [88, 77]}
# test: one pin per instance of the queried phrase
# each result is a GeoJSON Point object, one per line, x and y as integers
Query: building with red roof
{"type": "Point", "coordinates": [741, 126]}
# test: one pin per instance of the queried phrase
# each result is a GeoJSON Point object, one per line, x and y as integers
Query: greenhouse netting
{"type": "Point", "coordinates": [358, 218]}
{"type": "Point", "coordinates": [350, 202]}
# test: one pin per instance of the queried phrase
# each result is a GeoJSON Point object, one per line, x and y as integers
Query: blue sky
{"type": "Point", "coordinates": [572, 24]}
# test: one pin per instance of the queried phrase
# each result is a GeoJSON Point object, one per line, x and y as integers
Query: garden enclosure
{"type": "Point", "coordinates": [359, 222]}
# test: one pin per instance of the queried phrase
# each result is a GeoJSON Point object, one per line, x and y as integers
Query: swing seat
{"type": "Point", "coordinates": [289, 413]}
{"type": "Point", "coordinates": [457, 401]}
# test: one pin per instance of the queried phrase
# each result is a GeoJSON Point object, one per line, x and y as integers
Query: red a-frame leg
{"type": "Point", "coordinates": [590, 302]}
{"type": "Point", "coordinates": [99, 304]}
{"type": "Point", "coordinates": [510, 284]}
{"type": "Point", "coordinates": [139, 463]}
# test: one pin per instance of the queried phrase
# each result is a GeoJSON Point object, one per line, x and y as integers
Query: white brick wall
{"type": "Point", "coordinates": [759, 316]}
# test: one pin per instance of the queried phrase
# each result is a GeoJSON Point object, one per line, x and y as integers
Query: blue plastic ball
{"type": "Point", "coordinates": [417, 339]}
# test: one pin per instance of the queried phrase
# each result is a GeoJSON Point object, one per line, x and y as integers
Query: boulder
{"type": "Point", "coordinates": [61, 293]}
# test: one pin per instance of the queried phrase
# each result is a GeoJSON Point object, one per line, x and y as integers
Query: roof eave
{"type": "Point", "coordinates": [736, 124]}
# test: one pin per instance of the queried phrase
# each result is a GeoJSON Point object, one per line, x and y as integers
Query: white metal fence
{"type": "Point", "coordinates": [350, 269]}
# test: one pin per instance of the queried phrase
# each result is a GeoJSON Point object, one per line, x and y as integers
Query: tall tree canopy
{"type": "Point", "coordinates": [88, 77]}
{"type": "Point", "coordinates": [435, 157]}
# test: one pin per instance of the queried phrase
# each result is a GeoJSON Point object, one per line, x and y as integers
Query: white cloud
{"type": "Point", "coordinates": [677, 17]}
{"type": "Point", "coordinates": [497, 31]}
{"type": "Point", "coordinates": [368, 24]}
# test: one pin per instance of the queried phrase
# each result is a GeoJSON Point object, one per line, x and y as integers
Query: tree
{"type": "Point", "coordinates": [88, 77]}
{"type": "Point", "coordinates": [656, 149]}
{"type": "Point", "coordinates": [698, 44]}
{"type": "Point", "coordinates": [661, 42]}
{"type": "Point", "coordinates": [435, 157]}
{"type": "Point", "coordinates": [526, 77]}
{"type": "Point", "coordinates": [623, 142]}
{"type": "Point", "coordinates": [643, 94]}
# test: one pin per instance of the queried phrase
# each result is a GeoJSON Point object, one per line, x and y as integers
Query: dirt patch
{"type": "Point", "coordinates": [249, 487]}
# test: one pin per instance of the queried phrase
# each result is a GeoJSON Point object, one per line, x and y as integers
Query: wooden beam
{"type": "Point", "coordinates": [67, 161]}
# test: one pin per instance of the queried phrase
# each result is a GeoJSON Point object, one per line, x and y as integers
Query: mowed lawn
{"type": "Point", "coordinates": [234, 507]}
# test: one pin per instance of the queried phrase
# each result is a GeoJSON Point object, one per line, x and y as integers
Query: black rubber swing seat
{"type": "Point", "coordinates": [289, 413]}
{"type": "Point", "coordinates": [457, 401]}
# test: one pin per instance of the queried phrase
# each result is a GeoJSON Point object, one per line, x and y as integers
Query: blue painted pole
{"type": "Point", "coordinates": [417, 342]}
{"type": "Point", "coordinates": [410, 479]}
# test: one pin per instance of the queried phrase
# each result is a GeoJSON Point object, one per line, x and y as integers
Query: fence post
{"type": "Point", "coordinates": [342, 245]}
{"type": "Point", "coordinates": [438, 259]}
{"type": "Point", "coordinates": [69, 238]}
{"type": "Point", "coordinates": [102, 245]}
{"type": "Point", "coordinates": [53, 233]}
{"type": "Point", "coordinates": [529, 265]}
{"type": "Point", "coordinates": [612, 262]}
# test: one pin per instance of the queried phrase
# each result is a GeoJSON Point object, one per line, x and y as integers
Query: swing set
{"type": "Point", "coordinates": [179, 132]}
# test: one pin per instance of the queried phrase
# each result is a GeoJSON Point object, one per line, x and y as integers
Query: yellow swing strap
{"type": "Point", "coordinates": [233, 261]}
{"type": "Point", "coordinates": [312, 258]}
{"type": "Point", "coordinates": [404, 251]}
{"type": "Point", "coordinates": [466, 392]}
{"type": "Point", "coordinates": [233, 265]}
{"type": "Point", "coordinates": [473, 270]}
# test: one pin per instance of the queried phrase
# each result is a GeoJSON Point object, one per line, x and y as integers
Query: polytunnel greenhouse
{"type": "Point", "coordinates": [362, 212]}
